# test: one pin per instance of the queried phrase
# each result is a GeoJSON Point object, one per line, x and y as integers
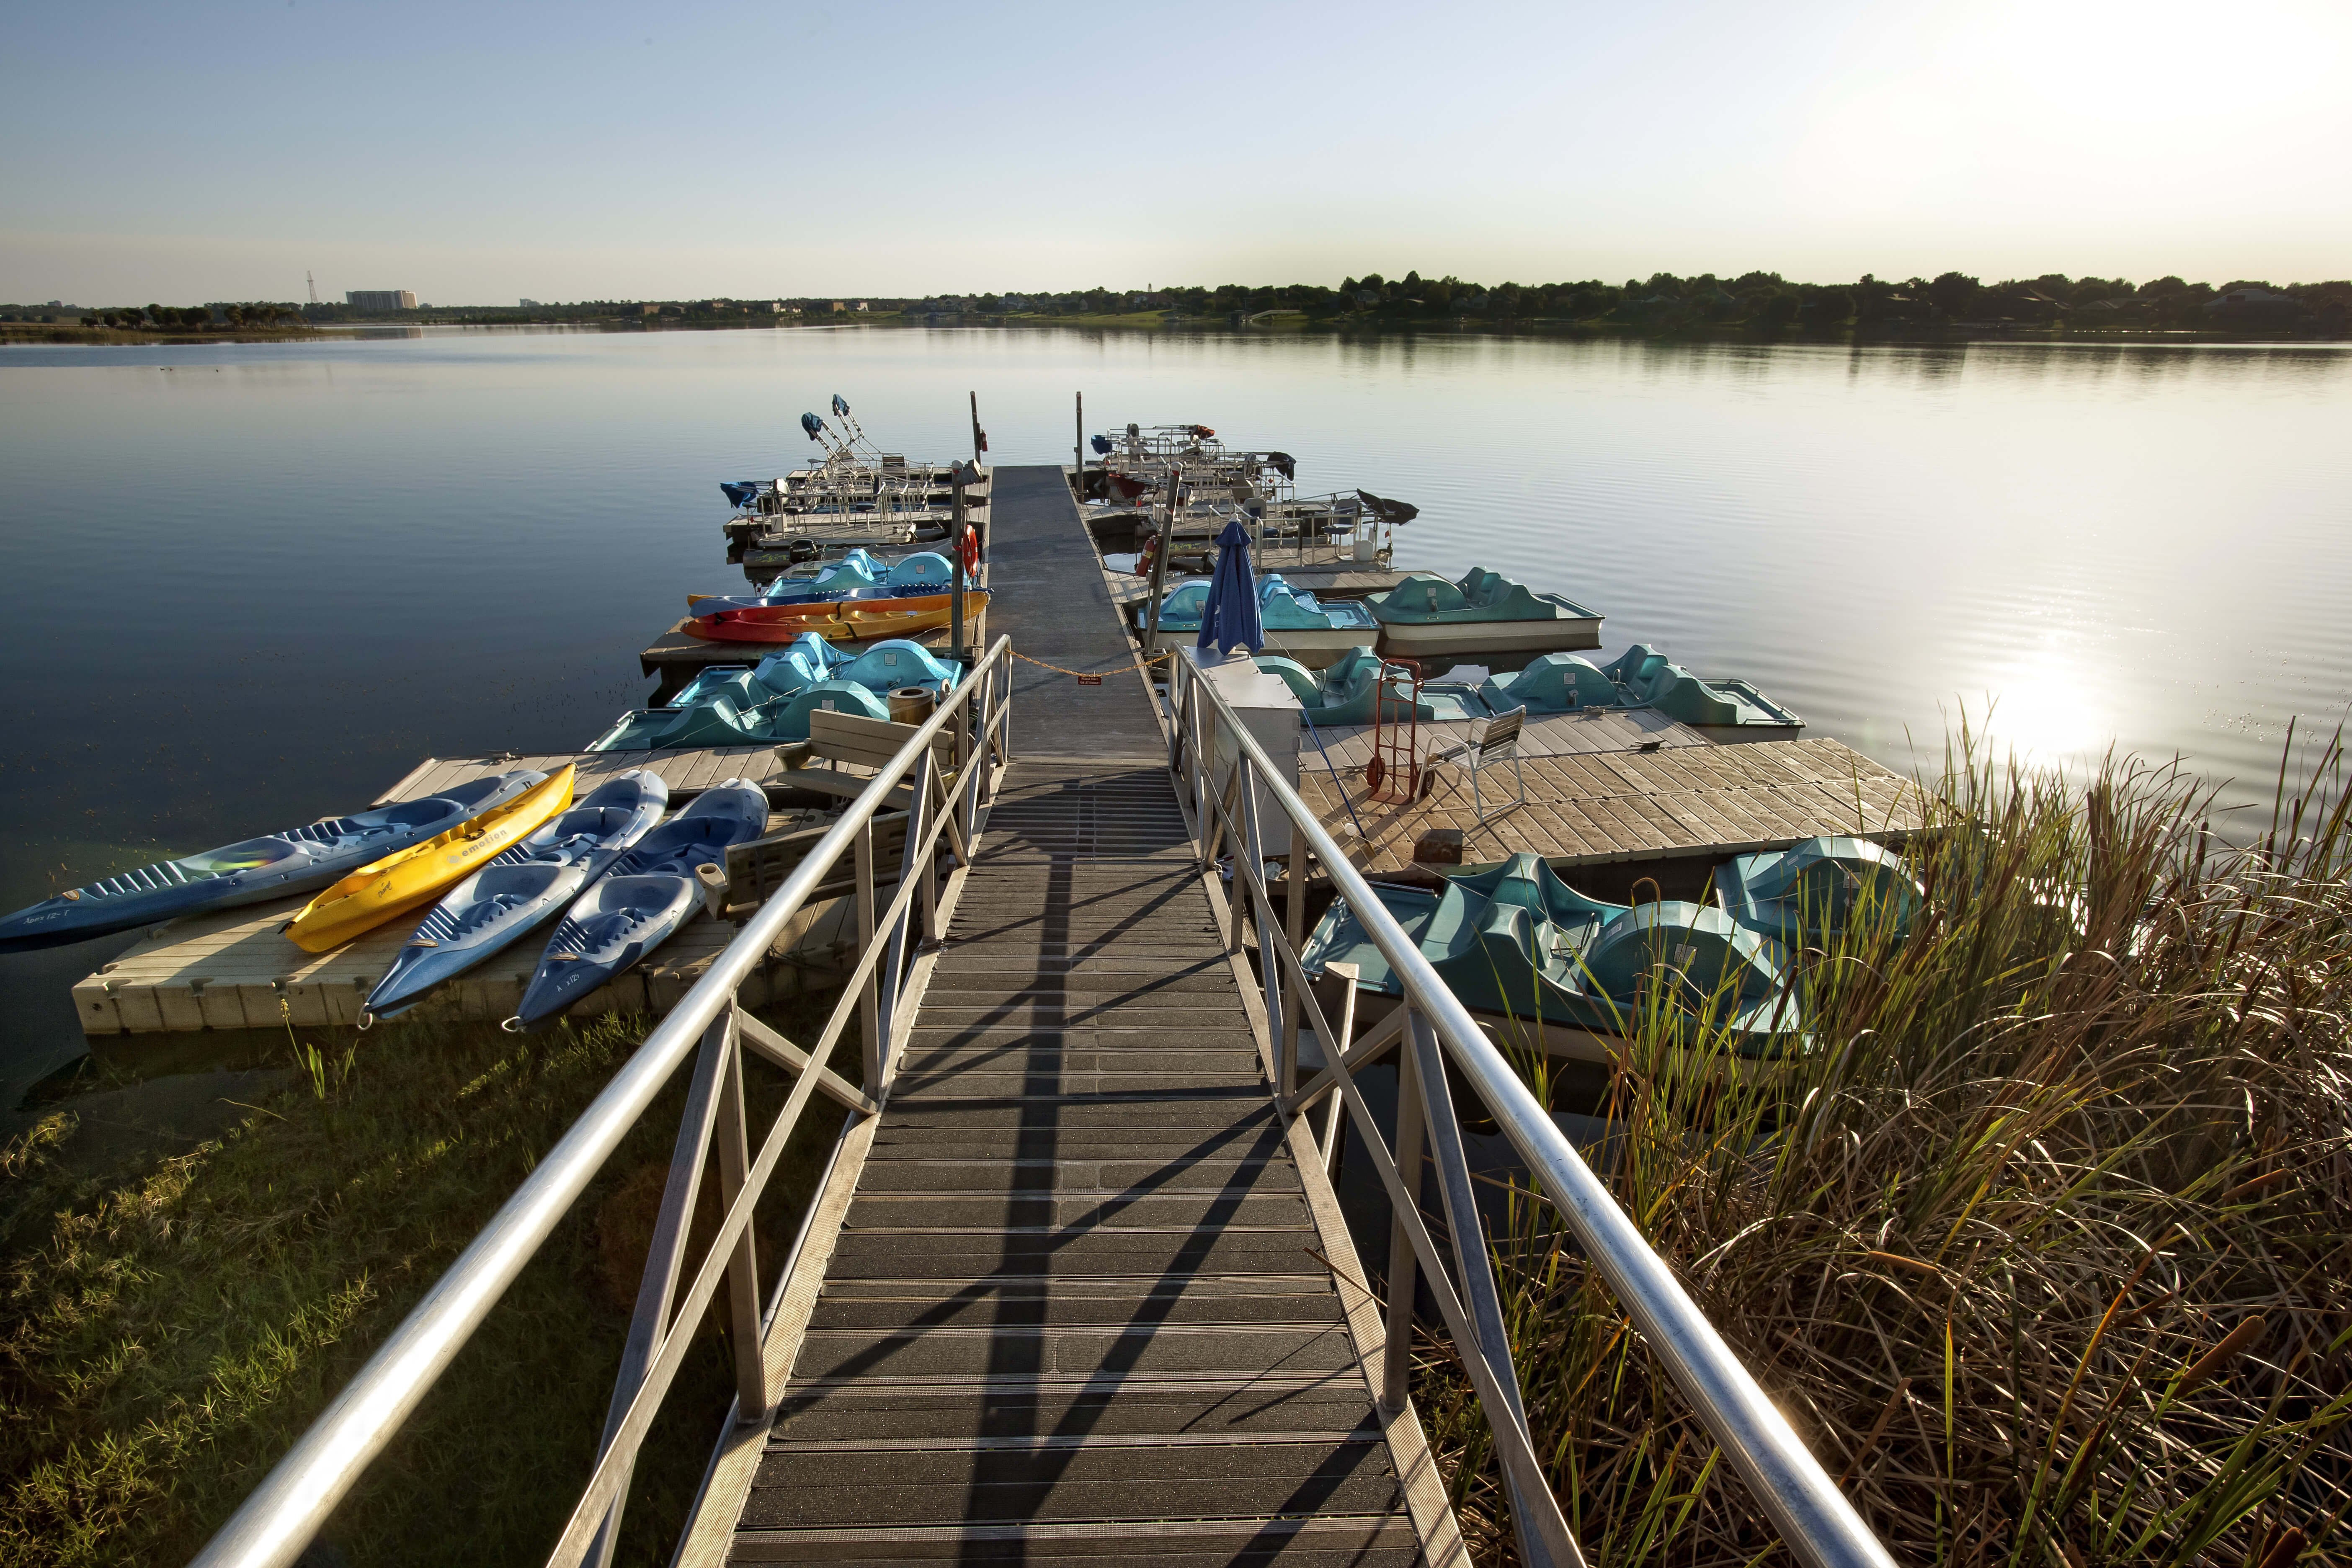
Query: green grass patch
{"type": "Point", "coordinates": [166, 1337]}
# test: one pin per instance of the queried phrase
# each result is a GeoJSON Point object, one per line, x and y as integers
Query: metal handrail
{"type": "Point", "coordinates": [1813, 1518]}
{"type": "Point", "coordinates": [281, 1516]}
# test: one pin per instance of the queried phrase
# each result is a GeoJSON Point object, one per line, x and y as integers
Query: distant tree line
{"type": "Point", "coordinates": [1766, 300]}
{"type": "Point", "coordinates": [193, 318]}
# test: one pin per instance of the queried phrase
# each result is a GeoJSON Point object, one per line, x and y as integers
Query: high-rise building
{"type": "Point", "coordinates": [380, 300]}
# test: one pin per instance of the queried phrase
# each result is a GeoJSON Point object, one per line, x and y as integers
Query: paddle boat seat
{"type": "Point", "coordinates": [888, 666]}
{"type": "Point", "coordinates": [1555, 683]}
{"type": "Point", "coordinates": [1480, 595]}
{"type": "Point", "coordinates": [1649, 679]}
{"type": "Point", "coordinates": [1283, 608]}
{"type": "Point", "coordinates": [1516, 942]}
{"type": "Point", "coordinates": [926, 573]}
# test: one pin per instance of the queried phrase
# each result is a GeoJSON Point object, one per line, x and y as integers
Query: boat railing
{"type": "Point", "coordinates": [1239, 801]}
{"type": "Point", "coordinates": [943, 803]}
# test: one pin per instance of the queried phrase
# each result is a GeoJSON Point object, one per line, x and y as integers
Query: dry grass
{"type": "Point", "coordinates": [2043, 1244]}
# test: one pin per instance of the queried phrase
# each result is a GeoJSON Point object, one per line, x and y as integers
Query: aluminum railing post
{"type": "Point", "coordinates": [1261, 907]}
{"type": "Point", "coordinates": [1294, 931]}
{"type": "Point", "coordinates": [1534, 1514]}
{"type": "Point", "coordinates": [743, 1267]}
{"type": "Point", "coordinates": [1396, 1362]}
{"type": "Point", "coordinates": [1334, 1118]}
{"type": "Point", "coordinates": [933, 784]}
{"type": "Point", "coordinates": [1239, 808]}
{"type": "Point", "coordinates": [665, 1256]}
{"type": "Point", "coordinates": [894, 967]}
{"type": "Point", "coordinates": [1175, 716]}
{"type": "Point", "coordinates": [1195, 779]}
{"type": "Point", "coordinates": [962, 720]}
{"type": "Point", "coordinates": [869, 1000]}
{"type": "Point", "coordinates": [1005, 713]}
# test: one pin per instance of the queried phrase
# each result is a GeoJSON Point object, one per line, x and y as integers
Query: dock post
{"type": "Point", "coordinates": [979, 436]}
{"type": "Point", "coordinates": [1078, 454]}
{"type": "Point", "coordinates": [955, 569]}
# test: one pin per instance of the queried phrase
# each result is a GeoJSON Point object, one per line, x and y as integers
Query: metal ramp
{"type": "Point", "coordinates": [1079, 1308]}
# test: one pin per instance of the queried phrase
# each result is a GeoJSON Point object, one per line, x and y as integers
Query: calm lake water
{"type": "Point", "coordinates": [246, 584]}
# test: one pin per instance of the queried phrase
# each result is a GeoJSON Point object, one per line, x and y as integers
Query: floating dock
{"type": "Point", "coordinates": [1603, 806]}
{"type": "Point", "coordinates": [233, 969]}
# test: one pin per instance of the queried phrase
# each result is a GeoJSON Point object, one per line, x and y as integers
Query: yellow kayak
{"type": "Point", "coordinates": [403, 883]}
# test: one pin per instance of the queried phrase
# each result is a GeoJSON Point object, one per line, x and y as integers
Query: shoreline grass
{"type": "Point", "coordinates": [163, 1339]}
{"type": "Point", "coordinates": [2044, 1247]}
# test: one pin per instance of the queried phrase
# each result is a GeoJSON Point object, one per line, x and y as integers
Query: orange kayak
{"type": "Point", "coordinates": [855, 621]}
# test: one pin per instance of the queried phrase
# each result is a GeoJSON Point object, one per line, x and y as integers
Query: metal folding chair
{"type": "Point", "coordinates": [1498, 743]}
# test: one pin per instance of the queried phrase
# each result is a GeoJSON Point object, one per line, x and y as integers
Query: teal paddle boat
{"type": "Point", "coordinates": [1812, 893]}
{"type": "Point", "coordinates": [1643, 677]}
{"type": "Point", "coordinates": [1551, 969]}
{"type": "Point", "coordinates": [1426, 617]}
{"type": "Point", "coordinates": [769, 703]}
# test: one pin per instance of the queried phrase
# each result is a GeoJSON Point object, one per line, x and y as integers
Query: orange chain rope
{"type": "Point", "coordinates": [1090, 674]}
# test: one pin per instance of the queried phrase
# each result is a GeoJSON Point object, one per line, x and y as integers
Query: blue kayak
{"type": "Point", "coordinates": [522, 888]}
{"type": "Point", "coordinates": [298, 860]}
{"type": "Point", "coordinates": [641, 901]}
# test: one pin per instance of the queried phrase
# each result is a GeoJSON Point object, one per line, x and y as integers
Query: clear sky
{"type": "Point", "coordinates": [477, 155]}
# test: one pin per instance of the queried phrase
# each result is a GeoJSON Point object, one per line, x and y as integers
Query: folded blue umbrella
{"type": "Point", "coordinates": [1229, 616]}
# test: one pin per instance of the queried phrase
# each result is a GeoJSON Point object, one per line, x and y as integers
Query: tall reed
{"type": "Point", "coordinates": [2039, 1240]}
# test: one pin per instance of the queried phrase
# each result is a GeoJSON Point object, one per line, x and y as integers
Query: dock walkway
{"type": "Point", "coordinates": [1083, 1304]}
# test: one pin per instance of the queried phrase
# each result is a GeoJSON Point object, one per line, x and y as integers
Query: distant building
{"type": "Point", "coordinates": [380, 300]}
{"type": "Point", "coordinates": [840, 305]}
{"type": "Point", "coordinates": [530, 305]}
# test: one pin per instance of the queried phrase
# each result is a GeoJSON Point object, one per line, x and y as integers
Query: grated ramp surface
{"type": "Point", "coordinates": [1076, 1313]}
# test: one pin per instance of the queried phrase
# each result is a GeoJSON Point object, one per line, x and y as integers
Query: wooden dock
{"type": "Point", "coordinates": [1600, 807]}
{"type": "Point", "coordinates": [233, 969]}
{"type": "Point", "coordinates": [1085, 1297]}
